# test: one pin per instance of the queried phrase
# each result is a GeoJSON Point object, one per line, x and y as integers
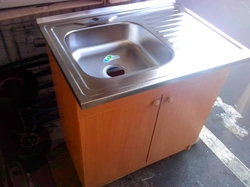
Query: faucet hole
{"type": "Point", "coordinates": [115, 71]}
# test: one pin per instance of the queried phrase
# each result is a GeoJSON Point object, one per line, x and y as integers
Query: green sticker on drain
{"type": "Point", "coordinates": [109, 58]}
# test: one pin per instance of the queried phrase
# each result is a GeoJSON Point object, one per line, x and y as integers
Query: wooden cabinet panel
{"type": "Point", "coordinates": [116, 139]}
{"type": "Point", "coordinates": [68, 109]}
{"type": "Point", "coordinates": [183, 112]}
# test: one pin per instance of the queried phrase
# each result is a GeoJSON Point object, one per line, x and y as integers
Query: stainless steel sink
{"type": "Point", "coordinates": [113, 52]}
{"type": "Point", "coordinates": [116, 49]}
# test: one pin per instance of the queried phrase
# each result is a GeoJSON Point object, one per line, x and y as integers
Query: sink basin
{"type": "Point", "coordinates": [114, 52]}
{"type": "Point", "coordinates": [116, 49]}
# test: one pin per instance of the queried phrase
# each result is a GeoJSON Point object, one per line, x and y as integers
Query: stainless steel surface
{"type": "Point", "coordinates": [20, 3]}
{"type": "Point", "coordinates": [125, 45]}
{"type": "Point", "coordinates": [189, 45]}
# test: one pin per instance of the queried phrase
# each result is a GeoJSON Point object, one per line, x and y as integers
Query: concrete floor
{"type": "Point", "coordinates": [200, 166]}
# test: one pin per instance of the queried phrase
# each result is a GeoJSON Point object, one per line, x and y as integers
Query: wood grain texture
{"type": "Point", "coordinates": [108, 141]}
{"type": "Point", "coordinates": [179, 122]}
{"type": "Point", "coordinates": [68, 109]}
{"type": "Point", "coordinates": [116, 137]}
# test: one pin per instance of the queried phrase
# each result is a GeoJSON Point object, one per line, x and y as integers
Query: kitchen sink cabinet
{"type": "Point", "coordinates": [110, 140]}
{"type": "Point", "coordinates": [116, 138]}
{"type": "Point", "coordinates": [183, 112]}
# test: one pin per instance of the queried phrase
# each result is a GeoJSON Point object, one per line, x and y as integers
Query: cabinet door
{"type": "Point", "coordinates": [116, 137]}
{"type": "Point", "coordinates": [183, 112]}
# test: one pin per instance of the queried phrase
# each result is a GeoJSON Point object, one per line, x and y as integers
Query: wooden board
{"type": "Point", "coordinates": [114, 139]}
{"type": "Point", "coordinates": [183, 113]}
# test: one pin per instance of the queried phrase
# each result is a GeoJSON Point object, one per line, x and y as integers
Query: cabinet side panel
{"type": "Point", "coordinates": [68, 109]}
{"type": "Point", "coordinates": [182, 117]}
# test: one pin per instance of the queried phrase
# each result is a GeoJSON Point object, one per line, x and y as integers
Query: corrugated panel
{"type": "Point", "coordinates": [168, 22]}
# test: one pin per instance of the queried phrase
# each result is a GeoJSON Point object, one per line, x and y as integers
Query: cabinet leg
{"type": "Point", "coordinates": [198, 139]}
{"type": "Point", "coordinates": [189, 147]}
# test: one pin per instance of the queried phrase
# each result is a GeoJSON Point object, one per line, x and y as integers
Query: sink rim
{"type": "Point", "coordinates": [94, 88]}
{"type": "Point", "coordinates": [170, 52]}
{"type": "Point", "coordinates": [116, 87]}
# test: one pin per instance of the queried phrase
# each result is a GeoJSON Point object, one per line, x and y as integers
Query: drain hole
{"type": "Point", "coordinates": [115, 71]}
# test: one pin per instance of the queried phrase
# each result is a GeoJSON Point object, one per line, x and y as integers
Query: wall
{"type": "Point", "coordinates": [232, 17]}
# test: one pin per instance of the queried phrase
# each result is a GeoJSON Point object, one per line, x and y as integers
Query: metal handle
{"type": "Point", "coordinates": [157, 102]}
{"type": "Point", "coordinates": [170, 99]}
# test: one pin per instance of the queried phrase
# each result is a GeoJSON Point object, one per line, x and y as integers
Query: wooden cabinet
{"type": "Point", "coordinates": [183, 112]}
{"type": "Point", "coordinates": [114, 139]}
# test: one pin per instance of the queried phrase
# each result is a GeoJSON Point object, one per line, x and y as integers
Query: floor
{"type": "Point", "coordinates": [222, 156]}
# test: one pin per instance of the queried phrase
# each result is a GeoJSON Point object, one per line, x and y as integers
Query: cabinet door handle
{"type": "Point", "coordinates": [157, 102]}
{"type": "Point", "coordinates": [170, 99]}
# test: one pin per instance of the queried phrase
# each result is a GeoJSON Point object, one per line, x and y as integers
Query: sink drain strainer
{"type": "Point", "coordinates": [114, 71]}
